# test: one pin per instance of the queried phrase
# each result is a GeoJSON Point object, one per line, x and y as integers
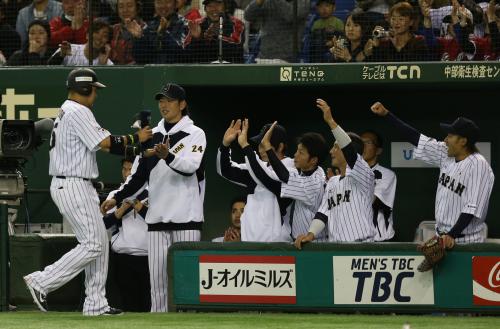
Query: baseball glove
{"type": "Point", "coordinates": [433, 250]}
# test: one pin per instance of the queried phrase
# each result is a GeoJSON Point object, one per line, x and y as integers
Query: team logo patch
{"type": "Point", "coordinates": [486, 280]}
{"type": "Point", "coordinates": [83, 79]}
{"type": "Point", "coordinates": [178, 148]}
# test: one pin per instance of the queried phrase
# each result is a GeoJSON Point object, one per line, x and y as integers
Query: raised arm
{"type": "Point", "coordinates": [411, 134]}
{"type": "Point", "coordinates": [227, 168]}
{"type": "Point", "coordinates": [260, 174]}
{"type": "Point", "coordinates": [343, 140]}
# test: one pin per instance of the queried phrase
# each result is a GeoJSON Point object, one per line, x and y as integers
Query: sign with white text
{"type": "Point", "coordinates": [247, 279]}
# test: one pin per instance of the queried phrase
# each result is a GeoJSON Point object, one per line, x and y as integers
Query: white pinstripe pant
{"type": "Point", "coordinates": [159, 241]}
{"type": "Point", "coordinates": [78, 202]}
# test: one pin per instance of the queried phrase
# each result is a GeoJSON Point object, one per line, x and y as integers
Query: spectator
{"type": "Point", "coordinates": [446, 47]}
{"type": "Point", "coordinates": [385, 186]}
{"type": "Point", "coordinates": [72, 25]}
{"type": "Point", "coordinates": [233, 232]}
{"type": "Point", "coordinates": [12, 8]}
{"type": "Point", "coordinates": [277, 28]}
{"type": "Point", "coordinates": [481, 48]}
{"type": "Point", "coordinates": [323, 30]}
{"type": "Point", "coordinates": [401, 45]}
{"type": "Point", "coordinates": [130, 24]}
{"type": "Point", "coordinates": [185, 9]}
{"type": "Point", "coordinates": [9, 39]}
{"type": "Point", "coordinates": [205, 32]}
{"type": "Point", "coordinates": [37, 51]}
{"type": "Point", "coordinates": [129, 246]}
{"type": "Point", "coordinates": [80, 54]}
{"type": "Point", "coordinates": [358, 30]}
{"type": "Point", "coordinates": [165, 38]}
{"type": "Point", "coordinates": [39, 10]}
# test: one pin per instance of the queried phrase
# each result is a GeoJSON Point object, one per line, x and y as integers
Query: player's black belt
{"type": "Point", "coordinates": [64, 177]}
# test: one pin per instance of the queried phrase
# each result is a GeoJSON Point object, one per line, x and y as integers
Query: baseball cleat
{"type": "Point", "coordinates": [113, 311]}
{"type": "Point", "coordinates": [39, 298]}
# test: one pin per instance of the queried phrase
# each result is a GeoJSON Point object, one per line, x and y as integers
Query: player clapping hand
{"type": "Point", "coordinates": [161, 150]}
{"type": "Point", "coordinates": [243, 134]}
{"type": "Point", "coordinates": [266, 140]}
{"type": "Point", "coordinates": [231, 132]}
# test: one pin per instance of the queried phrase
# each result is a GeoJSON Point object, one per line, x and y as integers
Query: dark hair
{"type": "Point", "coordinates": [239, 198]}
{"type": "Point", "coordinates": [379, 142]}
{"type": "Point", "coordinates": [185, 111]}
{"type": "Point", "coordinates": [138, 7]}
{"type": "Point", "coordinates": [471, 147]}
{"type": "Point", "coordinates": [98, 24]}
{"type": "Point", "coordinates": [357, 142]}
{"type": "Point", "coordinates": [315, 145]}
{"type": "Point", "coordinates": [42, 23]}
{"type": "Point", "coordinates": [365, 21]}
{"type": "Point", "coordinates": [127, 159]}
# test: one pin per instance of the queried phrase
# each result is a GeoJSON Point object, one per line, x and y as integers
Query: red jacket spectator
{"type": "Point", "coordinates": [60, 29]}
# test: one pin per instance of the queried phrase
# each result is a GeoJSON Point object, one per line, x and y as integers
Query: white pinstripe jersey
{"type": "Point", "coordinates": [385, 190]}
{"type": "Point", "coordinates": [74, 142]}
{"type": "Point", "coordinates": [347, 203]}
{"type": "Point", "coordinates": [307, 193]}
{"type": "Point", "coordinates": [463, 187]}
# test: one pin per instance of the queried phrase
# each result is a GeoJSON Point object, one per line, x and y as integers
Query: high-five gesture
{"type": "Point", "coordinates": [379, 109]}
{"type": "Point", "coordinates": [327, 113]}
{"type": "Point", "coordinates": [243, 134]}
{"type": "Point", "coordinates": [231, 133]}
{"type": "Point", "coordinates": [266, 140]}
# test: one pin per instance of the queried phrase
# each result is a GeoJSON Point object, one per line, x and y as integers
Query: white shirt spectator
{"type": "Point", "coordinates": [78, 58]}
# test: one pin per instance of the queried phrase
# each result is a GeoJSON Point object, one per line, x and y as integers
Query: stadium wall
{"type": "Point", "coordinates": [367, 278]}
{"type": "Point", "coordinates": [422, 94]}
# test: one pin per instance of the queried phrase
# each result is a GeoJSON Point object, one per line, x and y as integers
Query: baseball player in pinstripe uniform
{"type": "Point", "coordinates": [262, 220]}
{"type": "Point", "coordinates": [465, 180]}
{"type": "Point", "coordinates": [304, 184]}
{"type": "Point", "coordinates": [347, 202]}
{"type": "Point", "coordinates": [385, 186]}
{"type": "Point", "coordinates": [75, 139]}
{"type": "Point", "coordinates": [176, 183]}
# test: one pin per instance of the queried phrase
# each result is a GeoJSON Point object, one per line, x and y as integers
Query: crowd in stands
{"type": "Point", "coordinates": [52, 32]}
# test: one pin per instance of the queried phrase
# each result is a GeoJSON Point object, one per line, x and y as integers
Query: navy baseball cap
{"type": "Point", "coordinates": [463, 127]}
{"type": "Point", "coordinates": [278, 136]}
{"type": "Point", "coordinates": [172, 91]}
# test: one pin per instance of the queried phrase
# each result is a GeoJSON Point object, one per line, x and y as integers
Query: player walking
{"type": "Point", "coordinates": [75, 139]}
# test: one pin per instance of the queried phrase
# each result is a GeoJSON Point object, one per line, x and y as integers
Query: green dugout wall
{"type": "Point", "coordinates": [422, 94]}
{"type": "Point", "coordinates": [331, 277]}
